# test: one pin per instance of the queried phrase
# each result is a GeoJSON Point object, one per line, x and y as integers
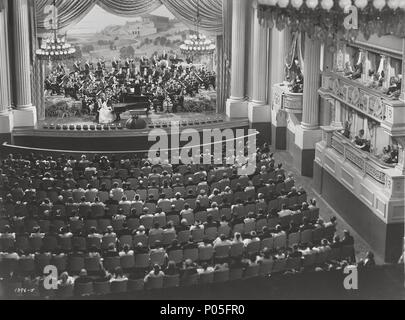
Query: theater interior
{"type": "Point", "coordinates": [316, 86]}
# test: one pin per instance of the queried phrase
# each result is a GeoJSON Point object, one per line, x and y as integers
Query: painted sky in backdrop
{"type": "Point", "coordinates": [98, 19]}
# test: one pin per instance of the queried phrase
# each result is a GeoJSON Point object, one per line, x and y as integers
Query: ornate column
{"type": "Point", "coordinates": [312, 61]}
{"type": "Point", "coordinates": [259, 110]}
{"type": "Point", "coordinates": [308, 133]}
{"type": "Point", "coordinates": [25, 115]}
{"type": "Point", "coordinates": [403, 71]}
{"type": "Point", "coordinates": [236, 105]}
{"type": "Point", "coordinates": [280, 45]}
{"type": "Point", "coordinates": [6, 117]}
{"type": "Point", "coordinates": [250, 11]}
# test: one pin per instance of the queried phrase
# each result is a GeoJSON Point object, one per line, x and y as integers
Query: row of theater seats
{"type": "Point", "coordinates": [52, 191]}
{"type": "Point", "coordinates": [88, 212]}
{"type": "Point", "coordinates": [120, 173]}
{"type": "Point", "coordinates": [53, 243]}
{"type": "Point", "coordinates": [21, 210]}
{"type": "Point", "coordinates": [224, 275]}
{"type": "Point", "coordinates": [74, 264]}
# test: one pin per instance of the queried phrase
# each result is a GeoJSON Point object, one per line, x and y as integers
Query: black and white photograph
{"type": "Point", "coordinates": [200, 155]}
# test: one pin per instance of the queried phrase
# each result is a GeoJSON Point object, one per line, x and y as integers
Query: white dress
{"type": "Point", "coordinates": [106, 114]}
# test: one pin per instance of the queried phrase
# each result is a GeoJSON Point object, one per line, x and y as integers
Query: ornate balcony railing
{"type": "Point", "coordinates": [370, 102]}
{"type": "Point", "coordinates": [360, 159]}
{"type": "Point", "coordinates": [284, 99]}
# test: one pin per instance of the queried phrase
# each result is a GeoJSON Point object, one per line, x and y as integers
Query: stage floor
{"type": "Point", "coordinates": [153, 117]}
{"type": "Point", "coordinates": [69, 133]}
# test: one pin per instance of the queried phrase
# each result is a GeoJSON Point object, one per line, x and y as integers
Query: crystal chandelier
{"type": "Point", "coordinates": [55, 47]}
{"type": "Point", "coordinates": [197, 44]}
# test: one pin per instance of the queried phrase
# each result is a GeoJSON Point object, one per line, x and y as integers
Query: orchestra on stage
{"type": "Point", "coordinates": [159, 83]}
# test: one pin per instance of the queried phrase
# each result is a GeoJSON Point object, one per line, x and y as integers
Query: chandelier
{"type": "Point", "coordinates": [55, 47]}
{"type": "Point", "coordinates": [197, 44]}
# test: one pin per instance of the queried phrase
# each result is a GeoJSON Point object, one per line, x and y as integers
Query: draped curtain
{"type": "Point", "coordinates": [72, 11]}
{"type": "Point", "coordinates": [296, 50]}
{"type": "Point", "coordinates": [212, 12]}
{"type": "Point", "coordinates": [69, 12]}
{"type": "Point", "coordinates": [186, 12]}
{"type": "Point", "coordinates": [37, 72]}
{"type": "Point", "coordinates": [224, 43]}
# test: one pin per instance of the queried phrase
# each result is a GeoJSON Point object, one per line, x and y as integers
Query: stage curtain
{"type": "Point", "coordinates": [186, 12]}
{"type": "Point", "coordinates": [37, 71]}
{"type": "Point", "coordinates": [224, 44]}
{"type": "Point", "coordinates": [72, 11]}
{"type": "Point", "coordinates": [69, 12]}
{"type": "Point", "coordinates": [129, 7]}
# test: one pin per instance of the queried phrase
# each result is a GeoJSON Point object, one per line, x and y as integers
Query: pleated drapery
{"type": "Point", "coordinates": [37, 71]}
{"type": "Point", "coordinates": [69, 12]}
{"type": "Point", "coordinates": [186, 12]}
{"type": "Point", "coordinates": [224, 44]}
{"type": "Point", "coordinates": [212, 22]}
{"type": "Point", "coordinates": [72, 11]}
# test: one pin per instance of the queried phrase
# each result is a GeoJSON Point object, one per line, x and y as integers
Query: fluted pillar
{"type": "Point", "coordinates": [6, 118]}
{"type": "Point", "coordinates": [259, 110]}
{"type": "Point", "coordinates": [236, 106]}
{"type": "Point", "coordinates": [25, 115]}
{"type": "Point", "coordinates": [259, 63]}
{"type": "Point", "coordinates": [308, 133]}
{"type": "Point", "coordinates": [280, 46]}
{"type": "Point", "coordinates": [403, 71]}
{"type": "Point", "coordinates": [312, 79]}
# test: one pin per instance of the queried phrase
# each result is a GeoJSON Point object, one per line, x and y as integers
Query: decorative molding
{"type": "Point", "coordinates": [382, 199]}
{"type": "Point", "coordinates": [381, 207]}
{"type": "Point", "coordinates": [390, 113]}
{"type": "Point", "coordinates": [367, 195]}
{"type": "Point", "coordinates": [330, 164]}
{"type": "Point", "coordinates": [348, 179]}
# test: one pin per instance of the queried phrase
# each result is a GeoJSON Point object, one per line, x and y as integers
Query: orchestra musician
{"type": "Point", "coordinates": [76, 67]}
{"type": "Point", "coordinates": [156, 79]}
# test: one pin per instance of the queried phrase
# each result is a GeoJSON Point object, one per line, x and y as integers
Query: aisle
{"type": "Point", "coordinates": [326, 211]}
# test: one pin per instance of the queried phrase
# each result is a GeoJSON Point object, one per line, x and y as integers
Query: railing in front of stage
{"type": "Point", "coordinates": [27, 150]}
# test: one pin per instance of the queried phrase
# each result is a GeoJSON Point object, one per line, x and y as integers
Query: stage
{"type": "Point", "coordinates": [84, 134]}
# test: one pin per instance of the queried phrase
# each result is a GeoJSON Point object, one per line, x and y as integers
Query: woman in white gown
{"type": "Point", "coordinates": [106, 114]}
